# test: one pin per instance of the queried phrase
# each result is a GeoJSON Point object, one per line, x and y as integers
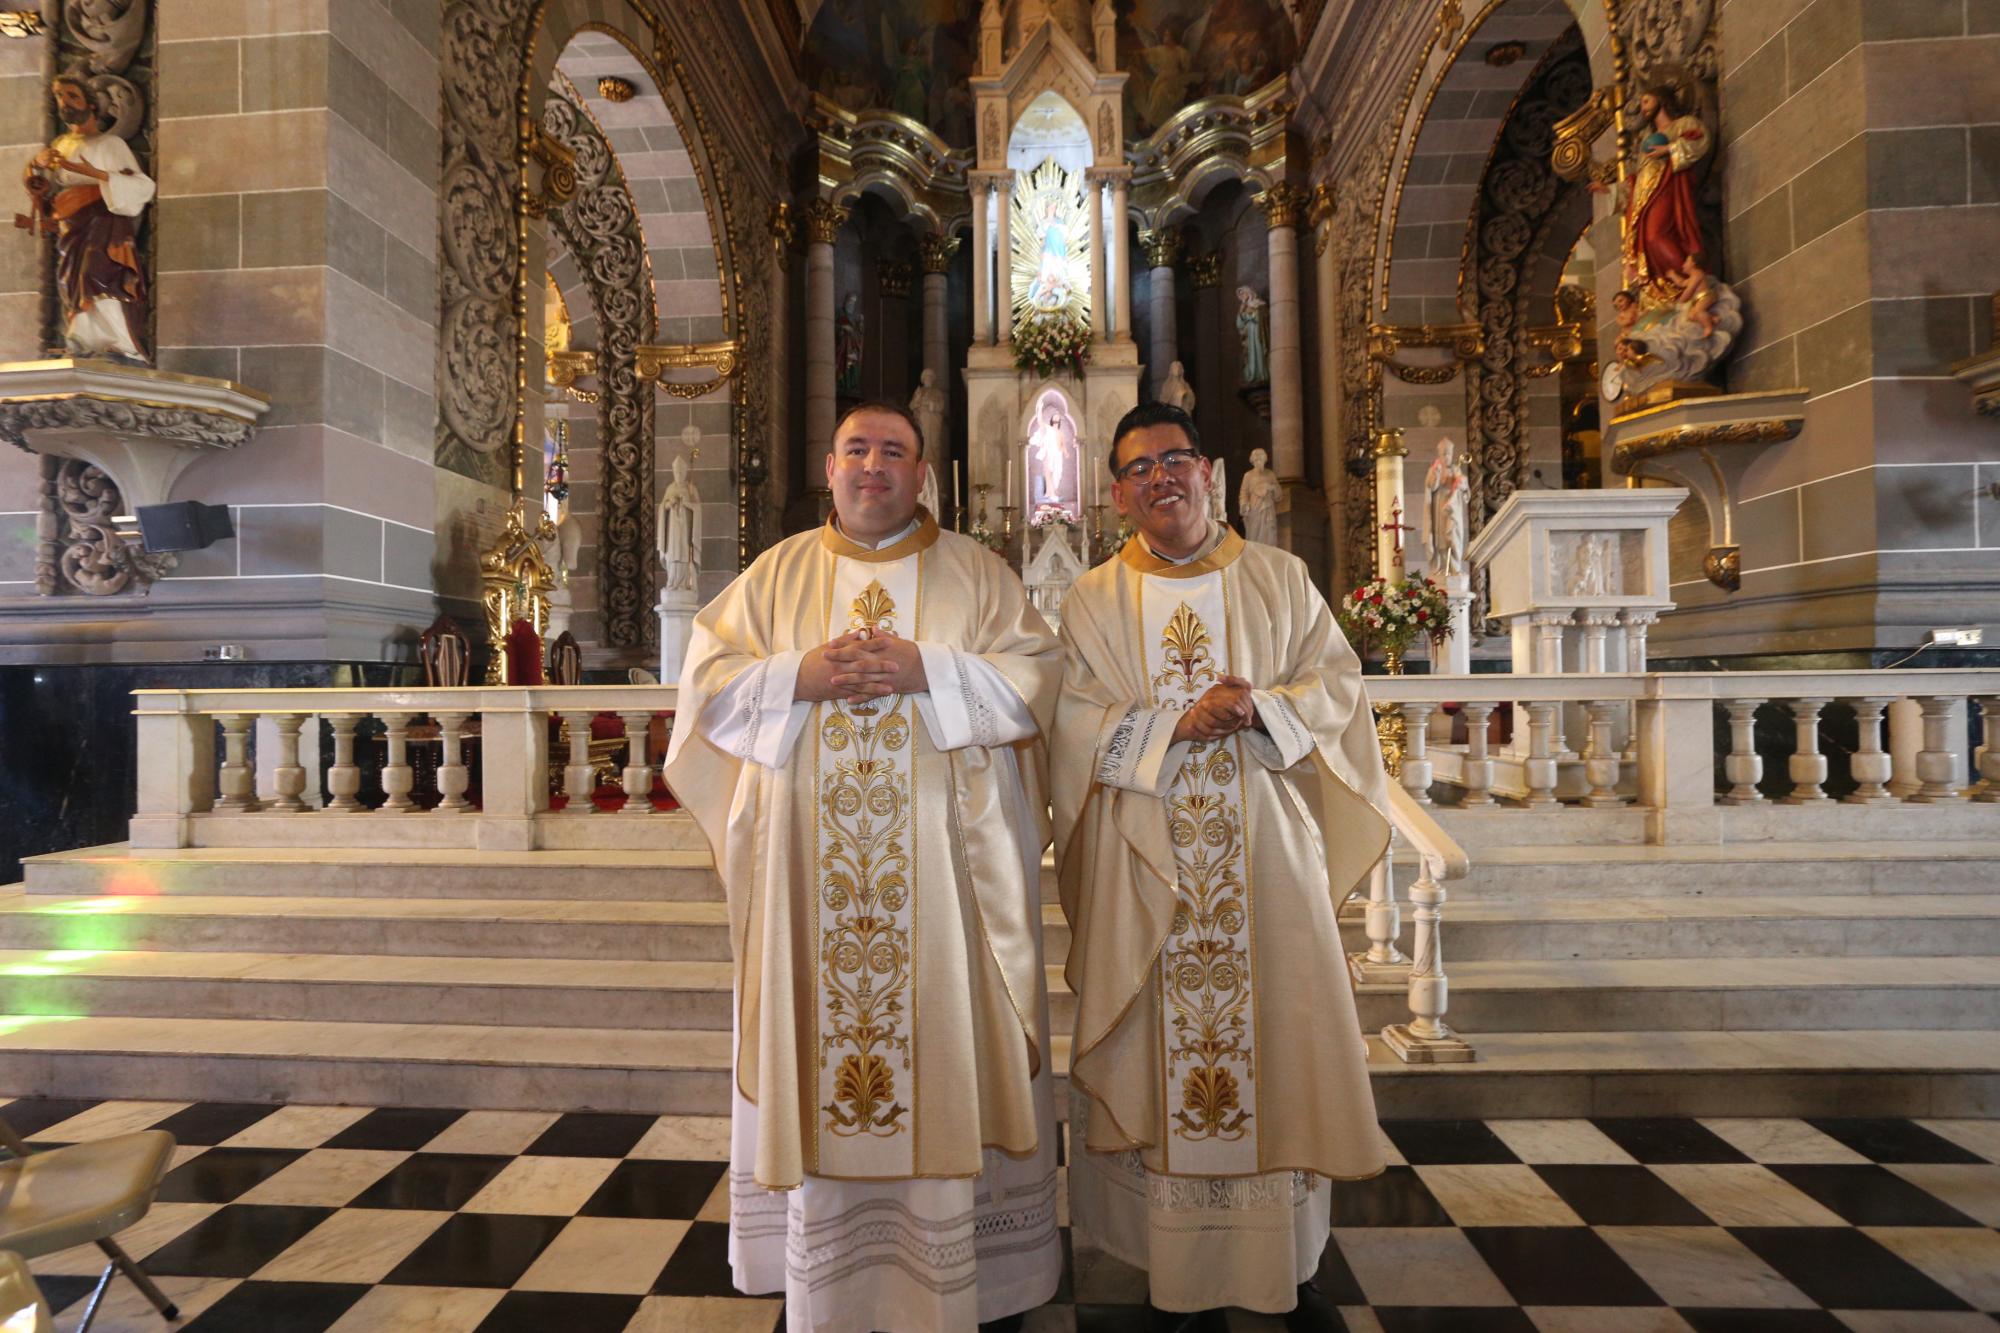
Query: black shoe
{"type": "Point", "coordinates": [1005, 1324]}
{"type": "Point", "coordinates": [1179, 1321]}
{"type": "Point", "coordinates": [1315, 1313]}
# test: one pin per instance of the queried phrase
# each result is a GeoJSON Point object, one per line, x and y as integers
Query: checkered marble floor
{"type": "Point", "coordinates": [297, 1219]}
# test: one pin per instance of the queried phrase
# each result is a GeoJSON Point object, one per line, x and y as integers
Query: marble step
{"type": "Point", "coordinates": [1737, 870]}
{"type": "Point", "coordinates": [670, 876]}
{"type": "Point", "coordinates": [1480, 926]}
{"type": "Point", "coordinates": [1569, 995]}
{"type": "Point", "coordinates": [1871, 1072]}
{"type": "Point", "coordinates": [1915, 827]}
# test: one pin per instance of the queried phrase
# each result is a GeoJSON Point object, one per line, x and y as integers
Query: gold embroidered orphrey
{"type": "Point", "coordinates": [866, 873]}
{"type": "Point", "coordinates": [1205, 962]}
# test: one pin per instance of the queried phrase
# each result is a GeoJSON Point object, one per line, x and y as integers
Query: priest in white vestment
{"type": "Point", "coordinates": [1218, 791]}
{"type": "Point", "coordinates": [864, 711]}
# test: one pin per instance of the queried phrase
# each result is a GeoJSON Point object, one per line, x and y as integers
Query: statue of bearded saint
{"type": "Point", "coordinates": [87, 188]}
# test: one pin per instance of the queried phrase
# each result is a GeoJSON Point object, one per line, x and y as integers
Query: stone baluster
{"type": "Point", "coordinates": [1807, 765]}
{"type": "Point", "coordinates": [1742, 765]}
{"type": "Point", "coordinates": [288, 778]}
{"type": "Point", "coordinates": [452, 775]}
{"type": "Point", "coordinates": [1937, 762]}
{"type": "Point", "coordinates": [1382, 922]}
{"type": "Point", "coordinates": [1870, 763]}
{"type": "Point", "coordinates": [343, 778]}
{"type": "Point", "coordinates": [1417, 766]}
{"type": "Point", "coordinates": [1478, 768]}
{"type": "Point", "coordinates": [638, 773]}
{"type": "Point", "coordinates": [579, 777]}
{"type": "Point", "coordinates": [1988, 789]}
{"type": "Point", "coordinates": [1538, 771]}
{"type": "Point", "coordinates": [1602, 762]}
{"type": "Point", "coordinates": [236, 783]}
{"type": "Point", "coordinates": [397, 778]}
{"type": "Point", "coordinates": [1426, 1038]}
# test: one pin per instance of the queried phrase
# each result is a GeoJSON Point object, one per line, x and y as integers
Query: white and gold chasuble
{"type": "Point", "coordinates": [1218, 1075]}
{"type": "Point", "coordinates": [893, 1134]}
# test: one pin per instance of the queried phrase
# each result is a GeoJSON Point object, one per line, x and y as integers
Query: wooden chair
{"type": "Point", "coordinates": [84, 1193]}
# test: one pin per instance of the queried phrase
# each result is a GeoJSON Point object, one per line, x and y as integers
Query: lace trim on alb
{"type": "Point", "coordinates": [753, 711]}
{"type": "Point", "coordinates": [1121, 754]}
{"type": "Point", "coordinates": [985, 725]}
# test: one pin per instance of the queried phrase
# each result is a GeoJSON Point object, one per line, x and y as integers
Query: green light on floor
{"type": "Point", "coordinates": [51, 963]}
{"type": "Point", "coordinates": [71, 955]}
{"type": "Point", "coordinates": [12, 1023]}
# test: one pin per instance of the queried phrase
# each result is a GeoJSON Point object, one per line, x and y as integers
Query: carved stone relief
{"type": "Point", "coordinates": [78, 550]}
{"type": "Point", "coordinates": [600, 226]}
{"type": "Point", "coordinates": [1518, 196]}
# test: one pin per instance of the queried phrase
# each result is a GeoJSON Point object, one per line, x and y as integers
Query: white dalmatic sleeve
{"type": "Point", "coordinates": [969, 702]}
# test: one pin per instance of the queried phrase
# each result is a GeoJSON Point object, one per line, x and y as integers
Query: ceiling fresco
{"type": "Point", "coordinates": [915, 56]}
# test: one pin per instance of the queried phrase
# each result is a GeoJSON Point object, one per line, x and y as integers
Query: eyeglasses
{"type": "Point", "coordinates": [1173, 463]}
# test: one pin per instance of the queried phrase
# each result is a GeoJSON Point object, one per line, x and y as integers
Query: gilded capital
{"type": "Point", "coordinates": [1389, 444]}
{"type": "Point", "coordinates": [1206, 270]}
{"type": "Point", "coordinates": [937, 252]}
{"type": "Point", "coordinates": [1162, 248]}
{"type": "Point", "coordinates": [1283, 204]}
{"type": "Point", "coordinates": [1321, 207]}
{"type": "Point", "coordinates": [823, 221]}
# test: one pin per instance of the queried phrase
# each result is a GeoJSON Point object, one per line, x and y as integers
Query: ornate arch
{"type": "Point", "coordinates": [497, 60]}
{"type": "Point", "coordinates": [1519, 195]}
{"type": "Point", "coordinates": [600, 227]}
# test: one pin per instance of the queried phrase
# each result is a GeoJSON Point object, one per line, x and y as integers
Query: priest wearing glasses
{"type": "Point", "coordinates": [1218, 791]}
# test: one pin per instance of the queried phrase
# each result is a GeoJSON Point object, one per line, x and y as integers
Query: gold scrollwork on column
{"type": "Point", "coordinates": [1465, 342]}
{"type": "Point", "coordinates": [784, 229]}
{"type": "Point", "coordinates": [1162, 248]}
{"type": "Point", "coordinates": [558, 165]}
{"type": "Point", "coordinates": [571, 364]}
{"type": "Point", "coordinates": [937, 251]}
{"type": "Point", "coordinates": [1576, 132]}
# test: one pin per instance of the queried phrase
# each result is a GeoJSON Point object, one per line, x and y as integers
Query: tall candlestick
{"type": "Point", "coordinates": [1008, 494]}
{"type": "Point", "coordinates": [957, 496]}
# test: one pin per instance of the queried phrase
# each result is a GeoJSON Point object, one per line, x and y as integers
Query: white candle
{"type": "Point", "coordinates": [1008, 494]}
{"type": "Point", "coordinates": [956, 494]}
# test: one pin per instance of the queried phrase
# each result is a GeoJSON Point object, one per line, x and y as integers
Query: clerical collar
{"type": "Point", "coordinates": [920, 535]}
{"type": "Point", "coordinates": [1207, 544]}
{"type": "Point", "coordinates": [1218, 552]}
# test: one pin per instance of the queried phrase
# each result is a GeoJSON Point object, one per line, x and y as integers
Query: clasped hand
{"type": "Point", "coordinates": [1225, 709]}
{"type": "Point", "coordinates": [858, 667]}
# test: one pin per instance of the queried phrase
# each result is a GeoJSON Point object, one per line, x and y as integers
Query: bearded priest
{"type": "Point", "coordinates": [1218, 791]}
{"type": "Point", "coordinates": [865, 707]}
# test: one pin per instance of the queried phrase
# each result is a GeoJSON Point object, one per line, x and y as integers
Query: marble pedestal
{"type": "Point", "coordinates": [677, 609]}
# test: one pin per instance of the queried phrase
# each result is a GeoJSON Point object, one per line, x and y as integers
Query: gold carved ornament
{"type": "Point", "coordinates": [1206, 269]}
{"type": "Point", "coordinates": [1205, 966]}
{"type": "Point", "coordinates": [937, 252]}
{"type": "Point", "coordinates": [558, 165]}
{"type": "Point", "coordinates": [21, 23]}
{"type": "Point", "coordinates": [614, 89]}
{"type": "Point", "coordinates": [725, 358]}
{"type": "Point", "coordinates": [824, 219]}
{"type": "Point", "coordinates": [1283, 204]}
{"type": "Point", "coordinates": [866, 878]}
{"type": "Point", "coordinates": [1465, 342]}
{"type": "Point", "coordinates": [514, 583]}
{"type": "Point", "coordinates": [1162, 248]}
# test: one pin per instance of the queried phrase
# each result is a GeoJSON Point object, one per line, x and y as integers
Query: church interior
{"type": "Point", "coordinates": [391, 383]}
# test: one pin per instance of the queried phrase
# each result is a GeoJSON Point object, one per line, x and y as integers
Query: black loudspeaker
{"type": "Point", "coordinates": [187, 526]}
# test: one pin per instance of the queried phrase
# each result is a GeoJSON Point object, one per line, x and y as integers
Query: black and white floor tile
{"type": "Point", "coordinates": [301, 1219]}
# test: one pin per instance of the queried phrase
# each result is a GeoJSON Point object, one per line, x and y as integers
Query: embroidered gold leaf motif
{"type": "Point", "coordinates": [874, 610]}
{"type": "Point", "coordinates": [1189, 664]}
{"type": "Point", "coordinates": [1208, 1095]}
{"type": "Point", "coordinates": [865, 965]}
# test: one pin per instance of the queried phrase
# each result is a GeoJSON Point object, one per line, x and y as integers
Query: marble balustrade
{"type": "Point", "coordinates": [1692, 740]}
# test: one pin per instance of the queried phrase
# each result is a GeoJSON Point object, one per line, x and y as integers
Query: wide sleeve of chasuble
{"type": "Point", "coordinates": [1316, 826]}
{"type": "Point", "coordinates": [891, 836]}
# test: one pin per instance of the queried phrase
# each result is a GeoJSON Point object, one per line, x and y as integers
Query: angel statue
{"type": "Point", "coordinates": [909, 60]}
{"type": "Point", "coordinates": [87, 189]}
{"type": "Point", "coordinates": [1250, 327]}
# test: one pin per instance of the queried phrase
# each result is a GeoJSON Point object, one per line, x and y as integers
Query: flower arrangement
{"type": "Point", "coordinates": [1391, 615]}
{"type": "Point", "coordinates": [1051, 341]}
{"type": "Point", "coordinates": [986, 537]}
{"type": "Point", "coordinates": [1051, 516]}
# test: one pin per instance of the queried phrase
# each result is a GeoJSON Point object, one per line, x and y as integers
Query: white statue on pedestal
{"type": "Point", "coordinates": [561, 552]}
{"type": "Point", "coordinates": [677, 530]}
{"type": "Point", "coordinates": [1258, 499]}
{"type": "Point", "coordinates": [927, 406]}
{"type": "Point", "coordinates": [1175, 390]}
{"type": "Point", "coordinates": [1445, 494]}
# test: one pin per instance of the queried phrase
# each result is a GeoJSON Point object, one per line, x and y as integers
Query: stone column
{"type": "Point", "coordinates": [1205, 271]}
{"type": "Point", "coordinates": [784, 234]}
{"type": "Point", "coordinates": [1326, 335]}
{"type": "Point", "coordinates": [894, 279]}
{"type": "Point", "coordinates": [982, 265]}
{"type": "Point", "coordinates": [1121, 272]}
{"type": "Point", "coordinates": [1162, 249]}
{"type": "Point", "coordinates": [1003, 267]}
{"type": "Point", "coordinates": [823, 223]}
{"type": "Point", "coordinates": [937, 256]}
{"type": "Point", "coordinates": [1284, 205]}
{"type": "Point", "coordinates": [1093, 193]}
